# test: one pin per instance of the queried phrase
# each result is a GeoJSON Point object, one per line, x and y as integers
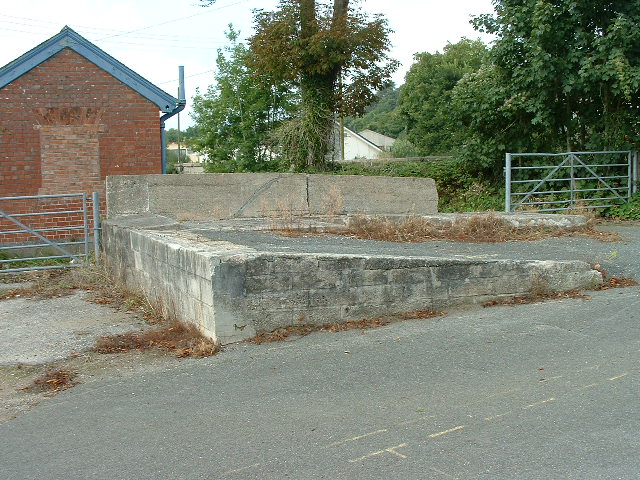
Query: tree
{"type": "Point", "coordinates": [425, 98]}
{"type": "Point", "coordinates": [237, 115]}
{"type": "Point", "coordinates": [567, 71]}
{"type": "Point", "coordinates": [335, 56]}
{"type": "Point", "coordinates": [383, 116]}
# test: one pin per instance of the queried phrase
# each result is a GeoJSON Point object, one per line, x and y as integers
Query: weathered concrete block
{"type": "Point", "coordinates": [232, 292]}
{"type": "Point", "coordinates": [353, 194]}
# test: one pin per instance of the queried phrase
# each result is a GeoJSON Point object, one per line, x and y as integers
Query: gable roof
{"type": "Point", "coordinates": [378, 138]}
{"type": "Point", "coordinates": [68, 38]}
{"type": "Point", "coordinates": [361, 138]}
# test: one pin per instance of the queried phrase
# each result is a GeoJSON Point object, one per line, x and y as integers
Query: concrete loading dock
{"type": "Point", "coordinates": [192, 244]}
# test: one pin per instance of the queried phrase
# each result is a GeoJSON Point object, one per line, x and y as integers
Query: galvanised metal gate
{"type": "Point", "coordinates": [56, 223]}
{"type": "Point", "coordinates": [550, 182]}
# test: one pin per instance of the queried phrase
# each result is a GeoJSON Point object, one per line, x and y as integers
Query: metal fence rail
{"type": "Point", "coordinates": [550, 182]}
{"type": "Point", "coordinates": [57, 223]}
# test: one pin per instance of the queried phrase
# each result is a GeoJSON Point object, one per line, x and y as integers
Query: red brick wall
{"type": "Point", "coordinates": [67, 124]}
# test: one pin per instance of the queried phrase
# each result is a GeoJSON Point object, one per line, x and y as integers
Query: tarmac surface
{"type": "Point", "coordinates": [542, 391]}
{"type": "Point", "coordinates": [618, 258]}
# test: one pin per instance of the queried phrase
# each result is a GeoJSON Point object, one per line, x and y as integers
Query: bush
{"type": "Point", "coordinates": [628, 210]}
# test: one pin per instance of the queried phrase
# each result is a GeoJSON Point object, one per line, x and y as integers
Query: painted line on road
{"type": "Point", "coordinates": [619, 376]}
{"type": "Point", "coordinates": [537, 404]}
{"type": "Point", "coordinates": [391, 450]}
{"type": "Point", "coordinates": [589, 386]}
{"type": "Point", "coordinates": [444, 432]}
{"type": "Point", "coordinates": [495, 417]}
{"type": "Point", "coordinates": [353, 439]}
{"type": "Point", "coordinates": [237, 470]}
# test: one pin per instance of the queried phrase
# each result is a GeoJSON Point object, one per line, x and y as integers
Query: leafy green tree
{"type": "Point", "coordinates": [564, 74]}
{"type": "Point", "coordinates": [236, 117]}
{"type": "Point", "coordinates": [383, 116]}
{"type": "Point", "coordinates": [185, 136]}
{"type": "Point", "coordinates": [334, 55]}
{"type": "Point", "coordinates": [425, 98]}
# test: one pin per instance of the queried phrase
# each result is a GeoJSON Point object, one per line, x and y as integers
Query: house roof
{"type": "Point", "coordinates": [377, 138]}
{"type": "Point", "coordinates": [68, 38]}
{"type": "Point", "coordinates": [362, 139]}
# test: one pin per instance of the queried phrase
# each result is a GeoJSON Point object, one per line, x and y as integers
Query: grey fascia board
{"type": "Point", "coordinates": [67, 38]}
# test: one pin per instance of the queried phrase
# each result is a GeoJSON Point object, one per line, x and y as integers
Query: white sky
{"type": "Point", "coordinates": [153, 37]}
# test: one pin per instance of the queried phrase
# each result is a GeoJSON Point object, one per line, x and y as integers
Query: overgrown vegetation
{"type": "Point", "coordinates": [625, 211]}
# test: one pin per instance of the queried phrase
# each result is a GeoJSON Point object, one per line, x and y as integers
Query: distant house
{"type": "Point", "coordinates": [72, 114]}
{"type": "Point", "coordinates": [378, 139]}
{"type": "Point", "coordinates": [357, 146]}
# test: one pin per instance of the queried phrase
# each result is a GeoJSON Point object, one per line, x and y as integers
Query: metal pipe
{"type": "Point", "coordinates": [182, 102]}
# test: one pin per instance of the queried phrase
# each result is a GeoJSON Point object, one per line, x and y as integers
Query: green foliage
{"type": "Point", "coordinates": [383, 116]}
{"type": "Point", "coordinates": [629, 210]}
{"type": "Point", "coordinates": [186, 136]}
{"type": "Point", "coordinates": [562, 76]}
{"type": "Point", "coordinates": [237, 116]}
{"type": "Point", "coordinates": [172, 161]}
{"type": "Point", "coordinates": [336, 57]}
{"type": "Point", "coordinates": [403, 148]}
{"type": "Point", "coordinates": [425, 98]}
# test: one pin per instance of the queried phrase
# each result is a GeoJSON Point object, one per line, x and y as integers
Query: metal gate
{"type": "Point", "coordinates": [550, 182]}
{"type": "Point", "coordinates": [57, 224]}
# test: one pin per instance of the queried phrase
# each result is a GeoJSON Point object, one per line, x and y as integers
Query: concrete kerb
{"type": "Point", "coordinates": [233, 292]}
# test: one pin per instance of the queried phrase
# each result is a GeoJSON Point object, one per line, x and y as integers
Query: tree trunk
{"type": "Point", "coordinates": [317, 90]}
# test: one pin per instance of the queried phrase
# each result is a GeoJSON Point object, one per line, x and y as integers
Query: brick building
{"type": "Point", "coordinates": [70, 114]}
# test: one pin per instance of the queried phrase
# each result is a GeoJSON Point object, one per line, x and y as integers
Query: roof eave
{"type": "Point", "coordinates": [67, 38]}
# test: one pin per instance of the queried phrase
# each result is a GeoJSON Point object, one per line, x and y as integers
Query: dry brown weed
{"type": "Point", "coordinates": [487, 228]}
{"type": "Point", "coordinates": [283, 333]}
{"type": "Point", "coordinates": [184, 340]}
{"type": "Point", "coordinates": [53, 381]}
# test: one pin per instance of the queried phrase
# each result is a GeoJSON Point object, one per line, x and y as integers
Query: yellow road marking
{"type": "Point", "coordinates": [444, 432]}
{"type": "Point", "coordinates": [619, 376]}
{"type": "Point", "coordinates": [353, 439]}
{"type": "Point", "coordinates": [391, 450]}
{"type": "Point", "coordinates": [551, 399]}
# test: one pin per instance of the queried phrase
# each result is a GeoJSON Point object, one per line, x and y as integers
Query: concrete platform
{"type": "Point", "coordinates": [233, 279]}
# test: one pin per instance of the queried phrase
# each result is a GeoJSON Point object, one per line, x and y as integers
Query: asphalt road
{"type": "Point", "coordinates": [545, 391]}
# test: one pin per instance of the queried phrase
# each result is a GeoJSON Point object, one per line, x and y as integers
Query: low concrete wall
{"type": "Point", "coordinates": [233, 292]}
{"type": "Point", "coordinates": [246, 195]}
